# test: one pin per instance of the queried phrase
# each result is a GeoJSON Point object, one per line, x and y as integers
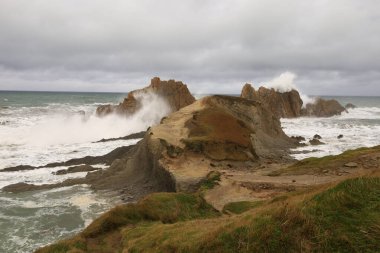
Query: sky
{"type": "Point", "coordinates": [214, 46]}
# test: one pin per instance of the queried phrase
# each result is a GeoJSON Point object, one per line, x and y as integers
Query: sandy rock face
{"type": "Point", "coordinates": [174, 92]}
{"type": "Point", "coordinates": [282, 104]}
{"type": "Point", "coordinates": [216, 129]}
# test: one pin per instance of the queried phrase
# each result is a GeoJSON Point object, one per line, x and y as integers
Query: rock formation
{"type": "Point", "coordinates": [323, 108]}
{"type": "Point", "coordinates": [174, 92]}
{"type": "Point", "coordinates": [282, 104]}
{"type": "Point", "coordinates": [178, 154]}
{"type": "Point", "coordinates": [289, 104]}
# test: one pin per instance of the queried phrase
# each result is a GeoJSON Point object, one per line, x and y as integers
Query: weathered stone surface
{"type": "Point", "coordinates": [323, 108]}
{"type": "Point", "coordinates": [315, 142]}
{"type": "Point", "coordinates": [351, 165]}
{"type": "Point", "coordinates": [174, 92]}
{"type": "Point", "coordinates": [75, 169]}
{"type": "Point", "coordinates": [282, 104]}
{"type": "Point", "coordinates": [289, 104]}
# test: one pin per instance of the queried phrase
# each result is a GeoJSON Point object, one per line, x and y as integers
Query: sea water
{"type": "Point", "coordinates": [360, 127]}
{"type": "Point", "coordinates": [37, 128]}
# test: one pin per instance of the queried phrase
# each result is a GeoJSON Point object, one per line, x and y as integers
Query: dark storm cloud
{"type": "Point", "coordinates": [214, 46]}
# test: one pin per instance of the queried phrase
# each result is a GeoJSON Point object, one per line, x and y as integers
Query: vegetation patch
{"type": "Point", "coordinates": [211, 181]}
{"type": "Point", "coordinates": [314, 165]}
{"type": "Point", "coordinates": [338, 218]}
{"type": "Point", "coordinates": [241, 206]}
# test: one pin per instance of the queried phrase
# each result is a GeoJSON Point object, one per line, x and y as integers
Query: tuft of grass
{"type": "Point", "coordinates": [241, 206]}
{"type": "Point", "coordinates": [212, 179]}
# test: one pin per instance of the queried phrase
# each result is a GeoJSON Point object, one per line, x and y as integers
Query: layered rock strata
{"type": "Point", "coordinates": [290, 105]}
{"type": "Point", "coordinates": [176, 94]}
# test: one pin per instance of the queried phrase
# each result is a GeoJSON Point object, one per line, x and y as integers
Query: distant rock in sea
{"type": "Point", "coordinates": [174, 92]}
{"type": "Point", "coordinates": [323, 108]}
{"type": "Point", "coordinates": [289, 104]}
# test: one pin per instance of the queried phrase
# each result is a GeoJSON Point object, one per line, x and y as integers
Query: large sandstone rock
{"type": "Point", "coordinates": [282, 104]}
{"type": "Point", "coordinates": [289, 104]}
{"type": "Point", "coordinates": [179, 153]}
{"type": "Point", "coordinates": [174, 92]}
{"type": "Point", "coordinates": [323, 108]}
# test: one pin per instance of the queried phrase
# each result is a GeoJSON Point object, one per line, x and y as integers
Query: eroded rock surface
{"type": "Point", "coordinates": [323, 108]}
{"type": "Point", "coordinates": [176, 94]}
{"type": "Point", "coordinates": [282, 104]}
{"type": "Point", "coordinates": [290, 105]}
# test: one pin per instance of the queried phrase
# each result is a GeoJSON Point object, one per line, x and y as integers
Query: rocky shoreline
{"type": "Point", "coordinates": [215, 151]}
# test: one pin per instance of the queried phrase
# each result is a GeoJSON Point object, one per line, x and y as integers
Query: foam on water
{"type": "Point", "coordinates": [39, 218]}
{"type": "Point", "coordinates": [360, 127]}
{"type": "Point", "coordinates": [39, 133]}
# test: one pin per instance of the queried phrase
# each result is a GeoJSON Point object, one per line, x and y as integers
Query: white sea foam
{"type": "Point", "coordinates": [37, 135]}
{"type": "Point", "coordinates": [360, 127]}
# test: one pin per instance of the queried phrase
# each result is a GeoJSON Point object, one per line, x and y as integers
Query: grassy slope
{"type": "Point", "coordinates": [332, 162]}
{"type": "Point", "coordinates": [340, 217]}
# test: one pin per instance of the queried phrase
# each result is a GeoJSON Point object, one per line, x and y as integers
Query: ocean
{"type": "Point", "coordinates": [37, 128]}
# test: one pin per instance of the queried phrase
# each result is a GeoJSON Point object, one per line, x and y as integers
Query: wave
{"type": "Point", "coordinates": [36, 136]}
{"type": "Point", "coordinates": [360, 127]}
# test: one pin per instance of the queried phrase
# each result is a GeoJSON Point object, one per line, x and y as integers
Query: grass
{"type": "Point", "coordinates": [341, 217]}
{"type": "Point", "coordinates": [211, 181]}
{"type": "Point", "coordinates": [241, 206]}
{"type": "Point", "coordinates": [314, 165]}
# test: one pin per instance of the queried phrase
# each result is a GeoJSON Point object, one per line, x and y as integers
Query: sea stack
{"type": "Point", "coordinates": [289, 104]}
{"type": "Point", "coordinates": [176, 94]}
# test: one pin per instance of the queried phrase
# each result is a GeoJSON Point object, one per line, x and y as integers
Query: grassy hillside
{"type": "Point", "coordinates": [342, 217]}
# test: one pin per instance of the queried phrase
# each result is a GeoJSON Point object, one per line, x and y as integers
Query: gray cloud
{"type": "Point", "coordinates": [214, 46]}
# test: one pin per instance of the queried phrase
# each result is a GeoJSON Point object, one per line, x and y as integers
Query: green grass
{"type": "Point", "coordinates": [211, 181]}
{"type": "Point", "coordinates": [318, 165]}
{"type": "Point", "coordinates": [348, 216]}
{"type": "Point", "coordinates": [338, 218]}
{"type": "Point", "coordinates": [241, 206]}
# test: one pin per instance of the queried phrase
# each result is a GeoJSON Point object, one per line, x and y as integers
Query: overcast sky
{"type": "Point", "coordinates": [333, 46]}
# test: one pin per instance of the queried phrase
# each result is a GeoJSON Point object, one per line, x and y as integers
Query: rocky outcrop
{"type": "Point", "coordinates": [350, 106]}
{"type": "Point", "coordinates": [282, 104]}
{"type": "Point", "coordinates": [174, 92]}
{"type": "Point", "coordinates": [216, 129]}
{"type": "Point", "coordinates": [323, 108]}
{"type": "Point", "coordinates": [290, 105]}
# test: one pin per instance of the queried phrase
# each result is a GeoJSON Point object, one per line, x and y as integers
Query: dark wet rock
{"type": "Point", "coordinates": [23, 187]}
{"type": "Point", "coordinates": [18, 168]}
{"type": "Point", "coordinates": [340, 136]}
{"type": "Point", "coordinates": [89, 160]}
{"type": "Point", "coordinates": [323, 108]}
{"type": "Point", "coordinates": [75, 169]}
{"type": "Point", "coordinates": [298, 138]}
{"type": "Point", "coordinates": [350, 106]}
{"type": "Point", "coordinates": [317, 136]}
{"type": "Point", "coordinates": [138, 135]}
{"type": "Point", "coordinates": [316, 142]}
